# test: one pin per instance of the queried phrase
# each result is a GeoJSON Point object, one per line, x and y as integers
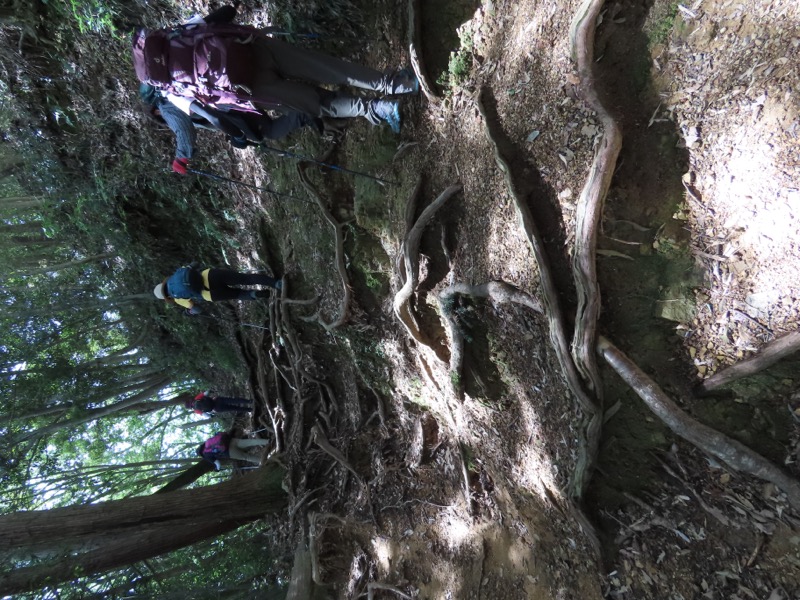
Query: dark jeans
{"type": "Point", "coordinates": [223, 404]}
{"type": "Point", "coordinates": [224, 284]}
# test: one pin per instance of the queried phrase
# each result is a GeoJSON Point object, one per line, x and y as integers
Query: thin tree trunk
{"type": "Point", "coordinates": [72, 263]}
{"type": "Point", "coordinates": [21, 203]}
{"type": "Point", "coordinates": [188, 476]}
{"type": "Point", "coordinates": [98, 413]}
{"type": "Point", "coordinates": [16, 228]}
{"type": "Point", "coordinates": [733, 453]}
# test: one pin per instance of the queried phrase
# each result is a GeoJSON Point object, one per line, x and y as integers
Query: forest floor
{"type": "Point", "coordinates": [697, 266]}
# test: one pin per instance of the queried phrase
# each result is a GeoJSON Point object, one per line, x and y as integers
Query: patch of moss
{"type": "Point", "coordinates": [373, 199]}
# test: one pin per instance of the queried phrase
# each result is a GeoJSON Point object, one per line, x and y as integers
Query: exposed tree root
{"type": "Point", "coordinates": [587, 451]}
{"type": "Point", "coordinates": [301, 584]}
{"type": "Point", "coordinates": [410, 253]}
{"type": "Point", "coordinates": [374, 585]}
{"type": "Point", "coordinates": [415, 49]}
{"type": "Point", "coordinates": [590, 205]}
{"type": "Point", "coordinates": [320, 440]}
{"type": "Point", "coordinates": [736, 455]}
{"type": "Point", "coordinates": [766, 357]}
{"type": "Point", "coordinates": [380, 410]}
{"type": "Point", "coordinates": [499, 292]}
{"type": "Point", "coordinates": [338, 227]}
{"type": "Point", "coordinates": [503, 293]}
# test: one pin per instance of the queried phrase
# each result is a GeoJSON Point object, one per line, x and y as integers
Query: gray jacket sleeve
{"type": "Point", "coordinates": [181, 125]}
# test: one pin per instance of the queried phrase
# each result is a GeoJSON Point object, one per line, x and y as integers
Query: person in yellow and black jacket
{"type": "Point", "coordinates": [190, 286]}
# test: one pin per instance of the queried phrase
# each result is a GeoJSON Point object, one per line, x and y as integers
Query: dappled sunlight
{"type": "Point", "coordinates": [456, 530]}
{"type": "Point", "coordinates": [730, 82]}
{"type": "Point", "coordinates": [750, 187]}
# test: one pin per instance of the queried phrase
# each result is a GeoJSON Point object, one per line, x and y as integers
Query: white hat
{"type": "Point", "coordinates": [159, 291]}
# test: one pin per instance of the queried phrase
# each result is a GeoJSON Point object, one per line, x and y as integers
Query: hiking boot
{"type": "Point", "coordinates": [405, 81]}
{"type": "Point", "coordinates": [258, 294]}
{"type": "Point", "coordinates": [278, 285]}
{"type": "Point", "coordinates": [389, 111]}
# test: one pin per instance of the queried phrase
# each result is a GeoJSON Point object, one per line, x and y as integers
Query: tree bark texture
{"type": "Point", "coordinates": [86, 539]}
{"type": "Point", "coordinates": [590, 205]}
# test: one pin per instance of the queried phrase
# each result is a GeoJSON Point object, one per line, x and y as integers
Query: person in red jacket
{"type": "Point", "coordinates": [206, 403]}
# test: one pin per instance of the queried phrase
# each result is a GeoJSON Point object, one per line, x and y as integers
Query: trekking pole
{"type": "Point", "coordinates": [242, 183]}
{"type": "Point", "coordinates": [253, 325]}
{"type": "Point", "coordinates": [310, 36]}
{"type": "Point", "coordinates": [325, 164]}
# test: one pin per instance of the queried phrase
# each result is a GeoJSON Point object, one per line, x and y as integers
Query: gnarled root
{"type": "Point", "coordinates": [734, 454]}
{"type": "Point", "coordinates": [587, 452]}
{"type": "Point", "coordinates": [590, 205]}
{"type": "Point", "coordinates": [410, 265]}
{"type": "Point", "coordinates": [344, 304]}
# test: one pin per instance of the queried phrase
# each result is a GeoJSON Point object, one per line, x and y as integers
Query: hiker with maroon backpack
{"type": "Point", "coordinates": [224, 445]}
{"type": "Point", "coordinates": [189, 286]}
{"type": "Point", "coordinates": [221, 64]}
{"type": "Point", "coordinates": [206, 403]}
{"type": "Point", "coordinates": [184, 116]}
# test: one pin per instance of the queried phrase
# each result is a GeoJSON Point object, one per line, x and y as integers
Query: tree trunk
{"type": "Point", "coordinates": [21, 203]}
{"type": "Point", "coordinates": [92, 538]}
{"type": "Point", "coordinates": [190, 475]}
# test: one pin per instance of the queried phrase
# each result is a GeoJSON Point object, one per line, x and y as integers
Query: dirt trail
{"type": "Point", "coordinates": [697, 269]}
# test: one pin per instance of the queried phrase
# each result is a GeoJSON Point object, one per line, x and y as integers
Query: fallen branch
{"type": "Point", "coordinates": [766, 357]}
{"type": "Point", "coordinates": [587, 451]}
{"type": "Point", "coordinates": [590, 204]}
{"type": "Point", "coordinates": [415, 49]}
{"type": "Point", "coordinates": [344, 304]}
{"type": "Point", "coordinates": [410, 254]}
{"type": "Point", "coordinates": [735, 454]}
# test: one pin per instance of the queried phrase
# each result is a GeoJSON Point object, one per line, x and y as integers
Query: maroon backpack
{"type": "Point", "coordinates": [212, 62]}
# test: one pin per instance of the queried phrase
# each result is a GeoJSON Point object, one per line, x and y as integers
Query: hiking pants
{"type": "Point", "coordinates": [256, 127]}
{"type": "Point", "coordinates": [223, 404]}
{"type": "Point", "coordinates": [238, 448]}
{"type": "Point", "coordinates": [289, 77]}
{"type": "Point", "coordinates": [223, 284]}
